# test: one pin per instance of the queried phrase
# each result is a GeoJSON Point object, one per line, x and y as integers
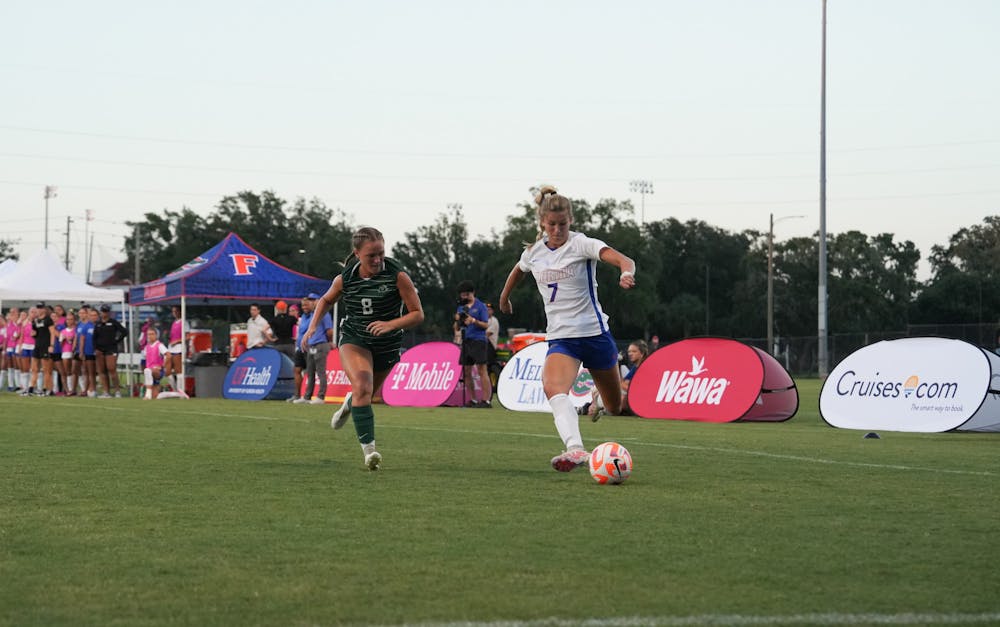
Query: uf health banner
{"type": "Point", "coordinates": [260, 374]}
{"type": "Point", "coordinates": [712, 380]}
{"type": "Point", "coordinates": [425, 376]}
{"type": "Point", "coordinates": [920, 384]}
{"type": "Point", "coordinates": [519, 386]}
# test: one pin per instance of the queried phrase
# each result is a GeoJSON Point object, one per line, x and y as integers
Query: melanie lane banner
{"type": "Point", "coordinates": [519, 386]}
{"type": "Point", "coordinates": [425, 376]}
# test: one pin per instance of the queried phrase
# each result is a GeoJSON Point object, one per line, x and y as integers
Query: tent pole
{"type": "Point", "coordinates": [128, 314]}
{"type": "Point", "coordinates": [183, 381]}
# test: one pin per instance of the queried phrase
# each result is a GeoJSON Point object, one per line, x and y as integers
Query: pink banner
{"type": "Point", "coordinates": [425, 376]}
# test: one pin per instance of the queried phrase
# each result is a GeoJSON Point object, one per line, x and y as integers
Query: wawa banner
{"type": "Point", "coordinates": [712, 380]}
{"type": "Point", "coordinates": [519, 386]}
{"type": "Point", "coordinates": [920, 384]}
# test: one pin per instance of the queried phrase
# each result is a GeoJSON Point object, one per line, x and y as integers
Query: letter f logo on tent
{"type": "Point", "coordinates": [243, 264]}
{"type": "Point", "coordinates": [697, 366]}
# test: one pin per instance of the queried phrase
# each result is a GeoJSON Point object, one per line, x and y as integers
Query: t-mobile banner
{"type": "Point", "coordinates": [520, 384]}
{"type": "Point", "coordinates": [712, 380]}
{"type": "Point", "coordinates": [425, 376]}
{"type": "Point", "coordinates": [337, 383]}
{"type": "Point", "coordinates": [919, 384]}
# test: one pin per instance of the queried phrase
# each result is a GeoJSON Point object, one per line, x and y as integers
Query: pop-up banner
{"type": "Point", "coordinates": [712, 380]}
{"type": "Point", "coordinates": [519, 386]}
{"type": "Point", "coordinates": [260, 374]}
{"type": "Point", "coordinates": [337, 383]}
{"type": "Point", "coordinates": [425, 376]}
{"type": "Point", "coordinates": [920, 384]}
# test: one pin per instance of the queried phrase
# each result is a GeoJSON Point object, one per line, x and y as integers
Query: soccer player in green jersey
{"type": "Point", "coordinates": [375, 290]}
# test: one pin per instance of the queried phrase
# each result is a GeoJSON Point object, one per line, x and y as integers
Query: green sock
{"type": "Point", "coordinates": [364, 423]}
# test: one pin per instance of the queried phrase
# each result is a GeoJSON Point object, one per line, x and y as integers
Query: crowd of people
{"type": "Point", "coordinates": [48, 350]}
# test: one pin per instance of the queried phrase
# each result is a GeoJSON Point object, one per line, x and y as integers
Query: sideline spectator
{"type": "Point", "coordinates": [175, 347]}
{"type": "Point", "coordinates": [85, 348]}
{"type": "Point", "coordinates": [473, 318]}
{"type": "Point", "coordinates": [154, 352]}
{"type": "Point", "coordinates": [258, 329]}
{"type": "Point", "coordinates": [316, 348]}
{"type": "Point", "coordinates": [283, 328]}
{"type": "Point", "coordinates": [108, 333]}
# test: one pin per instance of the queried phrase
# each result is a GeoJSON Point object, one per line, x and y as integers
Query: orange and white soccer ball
{"type": "Point", "coordinates": [610, 463]}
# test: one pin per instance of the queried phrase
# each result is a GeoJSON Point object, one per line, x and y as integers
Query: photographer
{"type": "Point", "coordinates": [473, 318]}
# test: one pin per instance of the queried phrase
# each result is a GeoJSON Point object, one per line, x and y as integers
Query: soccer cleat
{"type": "Point", "coordinates": [291, 399]}
{"type": "Point", "coordinates": [599, 411]}
{"type": "Point", "coordinates": [340, 416]}
{"type": "Point", "coordinates": [118, 394]}
{"type": "Point", "coordinates": [570, 460]}
{"type": "Point", "coordinates": [485, 404]}
{"type": "Point", "coordinates": [317, 401]}
{"type": "Point", "coordinates": [373, 459]}
{"type": "Point", "coordinates": [299, 401]}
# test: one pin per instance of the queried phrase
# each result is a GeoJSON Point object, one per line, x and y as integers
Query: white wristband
{"type": "Point", "coordinates": [628, 273]}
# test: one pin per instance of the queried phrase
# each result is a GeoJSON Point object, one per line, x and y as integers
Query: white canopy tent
{"type": "Point", "coordinates": [43, 278]}
{"type": "Point", "coordinates": [7, 266]}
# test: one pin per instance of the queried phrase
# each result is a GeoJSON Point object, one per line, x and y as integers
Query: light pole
{"type": "Point", "coordinates": [822, 354]}
{"type": "Point", "coordinates": [50, 192]}
{"type": "Point", "coordinates": [770, 281]}
{"type": "Point", "coordinates": [643, 187]}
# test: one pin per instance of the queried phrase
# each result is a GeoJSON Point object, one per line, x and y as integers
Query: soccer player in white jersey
{"type": "Point", "coordinates": [564, 264]}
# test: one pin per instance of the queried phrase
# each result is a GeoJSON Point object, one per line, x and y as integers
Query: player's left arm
{"type": "Point", "coordinates": [624, 263]}
{"type": "Point", "coordinates": [414, 310]}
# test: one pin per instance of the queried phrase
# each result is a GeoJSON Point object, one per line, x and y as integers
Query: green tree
{"type": "Point", "coordinates": [7, 249]}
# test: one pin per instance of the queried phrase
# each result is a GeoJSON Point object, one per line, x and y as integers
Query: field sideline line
{"type": "Point", "coordinates": [799, 458]}
{"type": "Point", "coordinates": [737, 620]}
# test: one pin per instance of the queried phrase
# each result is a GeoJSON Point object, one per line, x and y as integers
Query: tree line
{"type": "Point", "coordinates": [693, 278]}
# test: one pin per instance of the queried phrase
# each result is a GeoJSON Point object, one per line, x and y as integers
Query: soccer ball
{"type": "Point", "coordinates": [610, 463]}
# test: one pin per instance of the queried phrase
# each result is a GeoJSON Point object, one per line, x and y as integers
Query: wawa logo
{"type": "Point", "coordinates": [690, 387]}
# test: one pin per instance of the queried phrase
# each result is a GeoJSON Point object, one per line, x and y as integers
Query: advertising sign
{"type": "Point", "coordinates": [425, 376]}
{"type": "Point", "coordinates": [519, 386]}
{"type": "Point", "coordinates": [262, 373]}
{"type": "Point", "coordinates": [920, 384]}
{"type": "Point", "coordinates": [711, 380]}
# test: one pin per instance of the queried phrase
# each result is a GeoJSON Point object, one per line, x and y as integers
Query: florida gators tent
{"type": "Point", "coordinates": [228, 273]}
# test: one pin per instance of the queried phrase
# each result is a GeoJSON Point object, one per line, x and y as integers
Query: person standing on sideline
{"type": "Point", "coordinates": [283, 328]}
{"type": "Point", "coordinates": [492, 336]}
{"type": "Point", "coordinates": [563, 264]}
{"type": "Point", "coordinates": [375, 289]}
{"type": "Point", "coordinates": [175, 348]}
{"type": "Point", "coordinates": [258, 329]}
{"type": "Point", "coordinates": [299, 358]}
{"type": "Point", "coordinates": [154, 351]}
{"type": "Point", "coordinates": [316, 348]}
{"type": "Point", "coordinates": [473, 318]}
{"type": "Point", "coordinates": [108, 332]}
{"type": "Point", "coordinates": [43, 329]}
{"type": "Point", "coordinates": [85, 348]}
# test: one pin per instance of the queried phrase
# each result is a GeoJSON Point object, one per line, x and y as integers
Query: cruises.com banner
{"type": "Point", "coordinates": [712, 380]}
{"type": "Point", "coordinates": [920, 384]}
{"type": "Point", "coordinates": [519, 386]}
{"type": "Point", "coordinates": [425, 376]}
{"type": "Point", "coordinates": [337, 383]}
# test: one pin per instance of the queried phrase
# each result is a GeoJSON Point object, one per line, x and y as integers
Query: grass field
{"type": "Point", "coordinates": [211, 512]}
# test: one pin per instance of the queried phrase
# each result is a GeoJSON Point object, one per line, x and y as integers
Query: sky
{"type": "Point", "coordinates": [395, 111]}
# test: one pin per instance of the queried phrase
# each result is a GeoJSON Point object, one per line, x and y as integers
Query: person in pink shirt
{"type": "Point", "coordinates": [11, 337]}
{"type": "Point", "coordinates": [70, 366]}
{"type": "Point", "coordinates": [176, 350]}
{"type": "Point", "coordinates": [27, 349]}
{"type": "Point", "coordinates": [155, 353]}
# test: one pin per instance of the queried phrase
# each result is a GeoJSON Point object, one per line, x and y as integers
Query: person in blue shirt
{"type": "Point", "coordinates": [472, 317]}
{"type": "Point", "coordinates": [85, 348]}
{"type": "Point", "coordinates": [316, 349]}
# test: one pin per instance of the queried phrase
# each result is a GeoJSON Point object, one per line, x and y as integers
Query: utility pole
{"type": "Point", "coordinates": [86, 240]}
{"type": "Point", "coordinates": [50, 192]}
{"type": "Point", "coordinates": [69, 221]}
{"type": "Point", "coordinates": [643, 187]}
{"type": "Point", "coordinates": [137, 278]}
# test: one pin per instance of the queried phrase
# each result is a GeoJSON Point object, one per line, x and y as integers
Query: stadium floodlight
{"type": "Point", "coordinates": [643, 187]}
{"type": "Point", "coordinates": [822, 354]}
{"type": "Point", "coordinates": [770, 281]}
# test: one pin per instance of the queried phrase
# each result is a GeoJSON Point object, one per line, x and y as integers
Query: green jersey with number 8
{"type": "Point", "coordinates": [370, 300]}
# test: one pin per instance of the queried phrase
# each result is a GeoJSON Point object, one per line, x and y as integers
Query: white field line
{"type": "Point", "coordinates": [738, 620]}
{"type": "Point", "coordinates": [175, 408]}
{"type": "Point", "coordinates": [730, 451]}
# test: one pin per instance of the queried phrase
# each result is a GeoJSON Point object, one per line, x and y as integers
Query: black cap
{"type": "Point", "coordinates": [105, 307]}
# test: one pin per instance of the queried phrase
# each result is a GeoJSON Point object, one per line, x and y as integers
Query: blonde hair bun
{"type": "Point", "coordinates": [544, 191]}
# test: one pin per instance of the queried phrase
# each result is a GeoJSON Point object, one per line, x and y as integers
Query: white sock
{"type": "Point", "coordinates": [567, 422]}
{"type": "Point", "coordinates": [147, 377]}
{"type": "Point", "coordinates": [3, 375]}
{"type": "Point", "coordinates": [25, 379]}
